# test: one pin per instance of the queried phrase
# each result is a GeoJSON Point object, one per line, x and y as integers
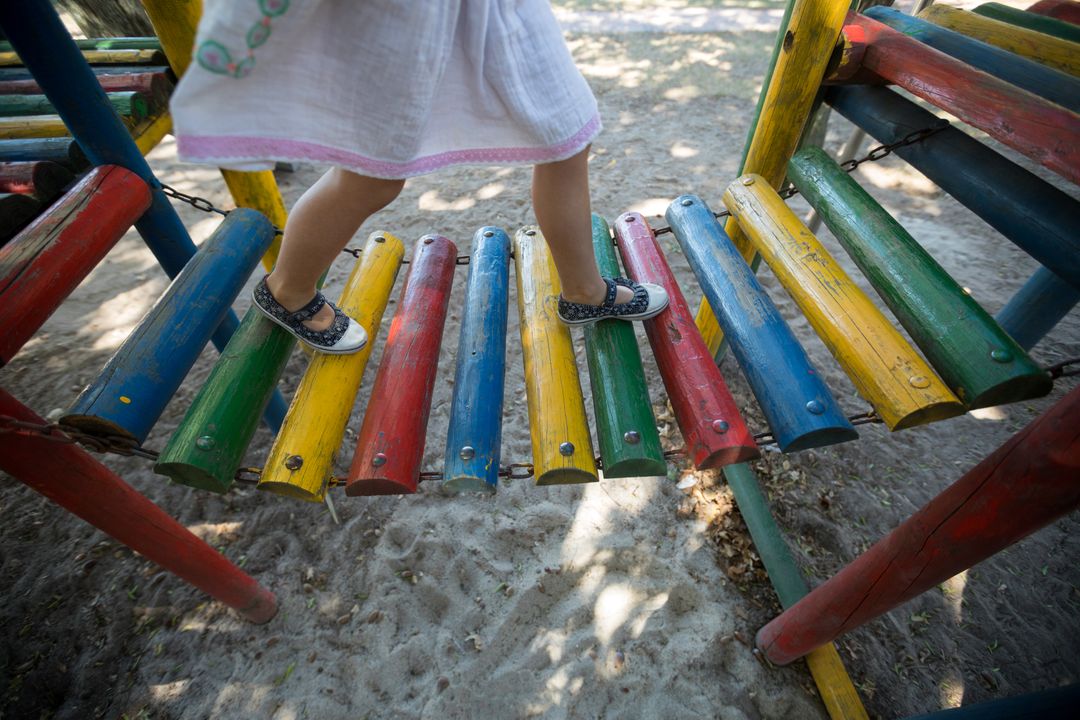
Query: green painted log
{"type": "Point", "coordinates": [1030, 21]}
{"type": "Point", "coordinates": [130, 104]}
{"type": "Point", "coordinates": [625, 425]}
{"type": "Point", "coordinates": [976, 358]}
{"type": "Point", "coordinates": [209, 445]}
{"type": "Point", "coordinates": [110, 43]}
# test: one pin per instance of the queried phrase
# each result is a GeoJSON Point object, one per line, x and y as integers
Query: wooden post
{"type": "Point", "coordinates": [62, 151]}
{"type": "Point", "coordinates": [47, 260]}
{"type": "Point", "coordinates": [100, 57]}
{"type": "Point", "coordinates": [713, 430]}
{"type": "Point", "coordinates": [1037, 307]}
{"type": "Point", "coordinates": [799, 408]}
{"type": "Point", "coordinates": [42, 179]}
{"type": "Point", "coordinates": [625, 425]}
{"type": "Point", "coordinates": [131, 104]}
{"type": "Point", "coordinates": [1067, 10]}
{"type": "Point", "coordinates": [1027, 483]}
{"type": "Point", "coordinates": [1029, 20]}
{"type": "Point", "coordinates": [390, 446]}
{"type": "Point", "coordinates": [70, 477]}
{"type": "Point", "coordinates": [474, 438]}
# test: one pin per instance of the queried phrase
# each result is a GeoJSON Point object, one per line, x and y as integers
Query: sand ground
{"type": "Point", "coordinates": [630, 598]}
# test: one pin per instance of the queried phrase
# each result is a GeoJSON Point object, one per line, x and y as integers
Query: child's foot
{"type": "Point", "coordinates": [342, 335]}
{"type": "Point", "coordinates": [646, 300]}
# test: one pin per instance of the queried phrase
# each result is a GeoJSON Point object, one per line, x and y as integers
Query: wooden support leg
{"type": "Point", "coordinates": [72, 478]}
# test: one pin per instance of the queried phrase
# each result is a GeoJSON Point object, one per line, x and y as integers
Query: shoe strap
{"type": "Point", "coordinates": [311, 309]}
{"type": "Point", "coordinates": [612, 290]}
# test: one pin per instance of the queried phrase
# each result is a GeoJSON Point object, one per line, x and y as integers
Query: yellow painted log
{"type": "Point", "coordinates": [812, 34]}
{"type": "Point", "coordinates": [301, 459]}
{"type": "Point", "coordinates": [32, 126]}
{"type": "Point", "coordinates": [885, 369]}
{"type": "Point", "coordinates": [99, 57]}
{"type": "Point", "coordinates": [1046, 49]}
{"type": "Point", "coordinates": [837, 692]}
{"type": "Point", "coordinates": [175, 22]}
{"type": "Point", "coordinates": [152, 132]}
{"type": "Point", "coordinates": [561, 442]}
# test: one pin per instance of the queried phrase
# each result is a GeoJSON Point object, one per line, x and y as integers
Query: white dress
{"type": "Point", "coordinates": [386, 88]}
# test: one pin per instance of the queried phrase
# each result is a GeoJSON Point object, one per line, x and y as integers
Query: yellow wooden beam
{"type": "Point", "coordinates": [32, 126]}
{"type": "Point", "coordinates": [1046, 49]}
{"type": "Point", "coordinates": [152, 132]}
{"type": "Point", "coordinates": [885, 369]}
{"type": "Point", "coordinates": [301, 459]}
{"type": "Point", "coordinates": [561, 442]}
{"type": "Point", "coordinates": [98, 57]}
{"type": "Point", "coordinates": [812, 34]}
{"type": "Point", "coordinates": [837, 691]}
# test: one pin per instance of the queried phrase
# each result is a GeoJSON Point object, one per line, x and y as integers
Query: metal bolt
{"type": "Point", "coordinates": [530, 233]}
{"type": "Point", "coordinates": [380, 239]}
{"type": "Point", "coordinates": [1001, 356]}
{"type": "Point", "coordinates": [468, 452]}
{"type": "Point", "coordinates": [631, 218]}
{"type": "Point", "coordinates": [379, 460]}
{"type": "Point", "coordinates": [205, 443]}
{"type": "Point", "coordinates": [919, 381]}
{"type": "Point", "coordinates": [720, 426]}
{"type": "Point", "coordinates": [632, 437]}
{"type": "Point", "coordinates": [748, 181]}
{"type": "Point", "coordinates": [428, 240]}
{"type": "Point", "coordinates": [687, 202]}
{"type": "Point", "coordinates": [815, 407]}
{"type": "Point", "coordinates": [488, 233]}
{"type": "Point", "coordinates": [567, 448]}
{"type": "Point", "coordinates": [294, 462]}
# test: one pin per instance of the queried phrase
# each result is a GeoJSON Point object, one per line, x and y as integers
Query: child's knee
{"type": "Point", "coordinates": [376, 193]}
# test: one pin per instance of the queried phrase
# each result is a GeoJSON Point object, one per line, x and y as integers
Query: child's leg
{"type": "Point", "coordinates": [321, 223]}
{"type": "Point", "coordinates": [561, 202]}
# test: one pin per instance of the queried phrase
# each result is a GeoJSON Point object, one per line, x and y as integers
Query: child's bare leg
{"type": "Point", "coordinates": [561, 202]}
{"type": "Point", "coordinates": [321, 223]}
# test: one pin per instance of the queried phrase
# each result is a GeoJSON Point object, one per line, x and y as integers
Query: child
{"type": "Point", "coordinates": [388, 89]}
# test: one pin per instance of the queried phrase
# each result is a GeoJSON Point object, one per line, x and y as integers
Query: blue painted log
{"type": "Point", "coordinates": [474, 439]}
{"type": "Point", "coordinates": [47, 50]}
{"type": "Point", "coordinates": [1055, 703]}
{"type": "Point", "coordinates": [137, 383]}
{"type": "Point", "coordinates": [800, 410]}
{"type": "Point", "coordinates": [1040, 219]}
{"type": "Point", "coordinates": [1054, 85]}
{"type": "Point", "coordinates": [63, 151]}
{"type": "Point", "coordinates": [1037, 307]}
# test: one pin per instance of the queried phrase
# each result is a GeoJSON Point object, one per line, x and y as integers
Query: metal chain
{"type": "Point", "coordinates": [874, 155]}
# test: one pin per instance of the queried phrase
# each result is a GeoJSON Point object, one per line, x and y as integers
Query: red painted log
{"type": "Point", "coordinates": [1045, 132]}
{"type": "Point", "coordinates": [50, 257]}
{"type": "Point", "coordinates": [44, 180]}
{"type": "Point", "coordinates": [1065, 10]}
{"type": "Point", "coordinates": [73, 479]}
{"type": "Point", "coordinates": [1027, 483]}
{"type": "Point", "coordinates": [714, 432]}
{"type": "Point", "coordinates": [390, 447]}
{"type": "Point", "coordinates": [156, 86]}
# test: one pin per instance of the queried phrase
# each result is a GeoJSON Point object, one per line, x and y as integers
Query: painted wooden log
{"type": "Point", "coordinates": [1029, 20]}
{"type": "Point", "coordinates": [800, 410]}
{"type": "Point", "coordinates": [301, 459]}
{"type": "Point", "coordinates": [1067, 10]}
{"type": "Point", "coordinates": [1054, 85]}
{"type": "Point", "coordinates": [42, 179]}
{"type": "Point", "coordinates": [99, 57]}
{"type": "Point", "coordinates": [1051, 51]}
{"type": "Point", "coordinates": [474, 437]}
{"type": "Point", "coordinates": [138, 381]}
{"type": "Point", "coordinates": [561, 443]}
{"type": "Point", "coordinates": [712, 428]}
{"type": "Point", "coordinates": [626, 431]}
{"type": "Point", "coordinates": [1027, 483]}
{"type": "Point", "coordinates": [131, 104]}
{"type": "Point", "coordinates": [16, 211]}
{"type": "Point", "coordinates": [109, 43]}
{"type": "Point", "coordinates": [40, 267]}
{"type": "Point", "coordinates": [259, 191]}
{"type": "Point", "coordinates": [62, 151]}
{"type": "Point", "coordinates": [33, 126]}
{"type": "Point", "coordinates": [156, 87]}
{"type": "Point", "coordinates": [390, 446]}
{"type": "Point", "coordinates": [1060, 702]}
{"type": "Point", "coordinates": [209, 444]}
{"type": "Point", "coordinates": [1037, 307]}
{"type": "Point", "coordinates": [74, 480]}
{"type": "Point", "coordinates": [884, 368]}
{"type": "Point", "coordinates": [786, 105]}
{"type": "Point", "coordinates": [152, 131]}
{"type": "Point", "coordinates": [1043, 131]}
{"type": "Point", "coordinates": [1032, 213]}
{"type": "Point", "coordinates": [976, 358]}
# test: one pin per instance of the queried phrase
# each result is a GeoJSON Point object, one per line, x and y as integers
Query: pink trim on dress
{"type": "Point", "coordinates": [225, 150]}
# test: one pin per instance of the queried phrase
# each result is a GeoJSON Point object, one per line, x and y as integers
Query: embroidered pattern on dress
{"type": "Point", "coordinates": [216, 58]}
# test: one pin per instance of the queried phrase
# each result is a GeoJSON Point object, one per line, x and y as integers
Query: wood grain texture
{"type": "Point", "coordinates": [390, 445]}
{"type": "Point", "coordinates": [1067, 10]}
{"type": "Point", "coordinates": [552, 386]}
{"type": "Point", "coordinates": [315, 424]}
{"type": "Point", "coordinates": [99, 57]}
{"type": "Point", "coordinates": [1027, 483]}
{"type": "Point", "coordinates": [712, 428]}
{"type": "Point", "coordinates": [1029, 20]}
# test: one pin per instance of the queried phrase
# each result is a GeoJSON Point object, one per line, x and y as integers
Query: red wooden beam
{"type": "Point", "coordinates": [157, 85]}
{"type": "Point", "coordinates": [1044, 131]}
{"type": "Point", "coordinates": [1027, 483]}
{"type": "Point", "coordinates": [73, 479]}
{"type": "Point", "coordinates": [50, 257]}
{"type": "Point", "coordinates": [390, 447]}
{"type": "Point", "coordinates": [1066, 10]}
{"type": "Point", "coordinates": [714, 431]}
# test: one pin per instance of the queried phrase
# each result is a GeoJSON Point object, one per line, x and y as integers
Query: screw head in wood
{"type": "Point", "coordinates": [428, 240]}
{"type": "Point", "coordinates": [468, 452]}
{"type": "Point", "coordinates": [720, 426]}
{"type": "Point", "coordinates": [815, 407]}
{"type": "Point", "coordinates": [530, 233]}
{"type": "Point", "coordinates": [632, 437]}
{"type": "Point", "coordinates": [567, 449]}
{"type": "Point", "coordinates": [748, 181]}
{"type": "Point", "coordinates": [919, 381]}
{"type": "Point", "coordinates": [687, 202]}
{"type": "Point", "coordinates": [488, 233]}
{"type": "Point", "coordinates": [380, 239]}
{"type": "Point", "coordinates": [1001, 356]}
{"type": "Point", "coordinates": [294, 462]}
{"type": "Point", "coordinates": [205, 443]}
{"type": "Point", "coordinates": [379, 460]}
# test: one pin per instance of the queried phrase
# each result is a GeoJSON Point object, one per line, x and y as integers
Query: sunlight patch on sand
{"type": "Point", "coordinates": [164, 692]}
{"type": "Point", "coordinates": [953, 588]}
{"type": "Point", "coordinates": [650, 206]}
